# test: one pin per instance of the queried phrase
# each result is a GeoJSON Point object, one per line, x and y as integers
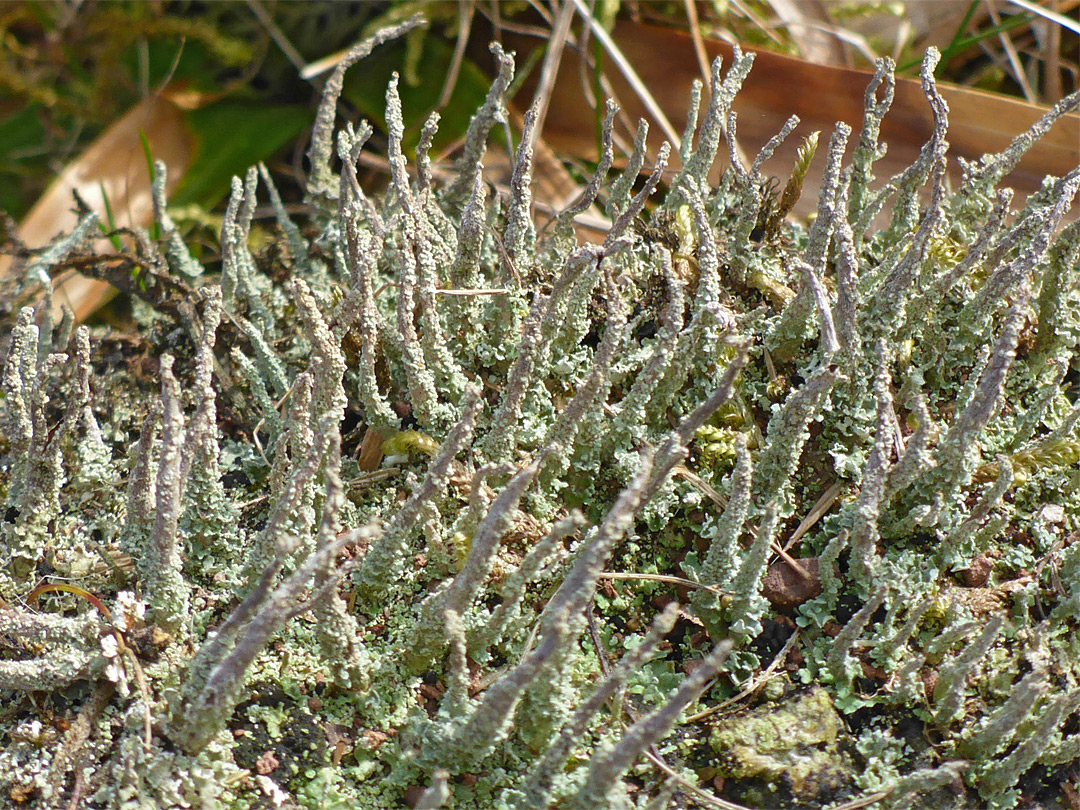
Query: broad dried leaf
{"type": "Point", "coordinates": [116, 163]}
{"type": "Point", "coordinates": [820, 95]}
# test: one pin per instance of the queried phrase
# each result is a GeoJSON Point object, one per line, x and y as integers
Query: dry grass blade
{"type": "Point", "coordinates": [807, 22]}
{"type": "Point", "coordinates": [816, 513]}
{"type": "Point", "coordinates": [751, 15]}
{"type": "Point", "coordinates": [1058, 19]}
{"type": "Point", "coordinates": [550, 69]}
{"type": "Point", "coordinates": [699, 44]}
{"type": "Point", "coordinates": [753, 685]}
{"type": "Point", "coordinates": [670, 580]}
{"type": "Point", "coordinates": [465, 17]}
{"type": "Point", "coordinates": [1018, 73]}
{"type": "Point", "coordinates": [639, 87]}
{"type": "Point", "coordinates": [267, 22]}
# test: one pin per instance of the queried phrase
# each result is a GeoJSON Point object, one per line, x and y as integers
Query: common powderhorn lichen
{"type": "Point", "coordinates": [405, 520]}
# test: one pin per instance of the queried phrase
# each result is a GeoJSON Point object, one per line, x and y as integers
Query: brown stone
{"type": "Point", "coordinates": [977, 574]}
{"type": "Point", "coordinates": [785, 588]}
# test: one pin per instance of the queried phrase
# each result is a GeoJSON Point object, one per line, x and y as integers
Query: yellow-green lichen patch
{"type": "Point", "coordinates": [793, 744]}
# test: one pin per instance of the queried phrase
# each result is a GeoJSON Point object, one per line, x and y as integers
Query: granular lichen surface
{"type": "Point", "coordinates": [436, 505]}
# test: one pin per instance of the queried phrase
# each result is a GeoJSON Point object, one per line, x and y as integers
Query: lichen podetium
{"type": "Point", "coordinates": [849, 451]}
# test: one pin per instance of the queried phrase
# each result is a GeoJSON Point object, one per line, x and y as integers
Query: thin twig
{"type": "Point", "coordinates": [1052, 16]}
{"type": "Point", "coordinates": [362, 480]}
{"type": "Point", "coordinates": [748, 12]}
{"type": "Point", "coordinates": [653, 753]}
{"type": "Point", "coordinates": [1052, 91]}
{"type": "Point", "coordinates": [694, 791]}
{"type": "Point", "coordinates": [863, 801]}
{"type": "Point", "coordinates": [494, 291]}
{"type": "Point", "coordinates": [701, 485]}
{"type": "Point", "coordinates": [144, 688]}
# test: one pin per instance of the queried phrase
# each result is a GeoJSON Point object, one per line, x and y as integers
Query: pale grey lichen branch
{"type": "Point", "coordinates": [383, 563]}
{"type": "Point", "coordinates": [298, 245]}
{"type": "Point", "coordinates": [988, 171]}
{"type": "Point", "coordinates": [588, 195]}
{"type": "Point", "coordinates": [421, 383]}
{"type": "Point", "coordinates": [1000, 727]}
{"type": "Point", "coordinates": [559, 440]}
{"type": "Point", "coordinates": [459, 595]}
{"type": "Point", "coordinates": [201, 450]}
{"type": "Point", "coordinates": [787, 435]}
{"type": "Point", "coordinates": [722, 560]}
{"type": "Point", "coordinates": [748, 605]}
{"type": "Point", "coordinates": [952, 677]}
{"type": "Point", "coordinates": [619, 193]}
{"type": "Point", "coordinates": [866, 511]}
{"type": "Point", "coordinates": [707, 255]}
{"type": "Point", "coordinates": [1008, 276]}
{"type": "Point", "coordinates": [501, 439]}
{"type": "Point", "coordinates": [320, 178]}
{"type": "Point", "coordinates": [904, 273]}
{"type": "Point", "coordinates": [771, 146]}
{"type": "Point", "coordinates": [606, 770]}
{"type": "Point", "coordinates": [951, 466]}
{"type": "Point", "coordinates": [46, 652]}
{"type": "Point", "coordinates": [674, 447]}
{"type": "Point", "coordinates": [635, 206]}
{"type": "Point", "coordinates": [491, 112]}
{"type": "Point", "coordinates": [205, 712]}
{"type": "Point", "coordinates": [363, 249]}
{"type": "Point", "coordinates": [449, 377]}
{"type": "Point", "coordinates": [520, 234]}
{"type": "Point", "coordinates": [974, 255]}
{"type": "Point", "coordinates": [848, 298]}
{"type": "Point", "coordinates": [395, 131]}
{"type": "Point", "coordinates": [513, 588]}
{"type": "Point", "coordinates": [842, 665]}
{"type": "Point", "coordinates": [464, 271]}
{"type": "Point", "coordinates": [339, 632]}
{"type": "Point", "coordinates": [59, 249]}
{"type": "Point", "coordinates": [723, 94]}
{"type": "Point", "coordinates": [180, 259]}
{"type": "Point", "coordinates": [423, 148]}
{"type": "Point", "coordinates": [869, 150]}
{"type": "Point", "coordinates": [160, 565]}
{"type": "Point", "coordinates": [827, 210]}
{"type": "Point", "coordinates": [630, 419]}
{"type": "Point", "coordinates": [693, 108]}
{"type": "Point", "coordinates": [536, 791]}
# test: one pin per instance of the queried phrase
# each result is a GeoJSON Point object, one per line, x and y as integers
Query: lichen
{"type": "Point", "coordinates": [404, 518]}
{"type": "Point", "coordinates": [794, 746]}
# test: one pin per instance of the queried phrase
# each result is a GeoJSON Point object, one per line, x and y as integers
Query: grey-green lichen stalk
{"type": "Point", "coordinates": [345, 542]}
